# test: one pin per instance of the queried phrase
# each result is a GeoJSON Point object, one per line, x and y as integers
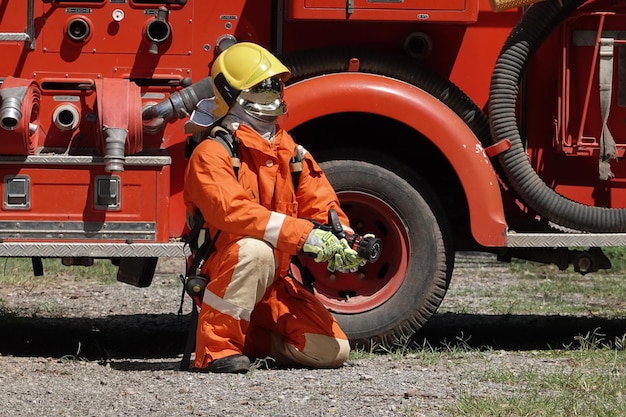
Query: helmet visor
{"type": "Point", "coordinates": [264, 99]}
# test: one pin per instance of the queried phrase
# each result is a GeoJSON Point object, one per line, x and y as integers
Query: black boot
{"type": "Point", "coordinates": [233, 364]}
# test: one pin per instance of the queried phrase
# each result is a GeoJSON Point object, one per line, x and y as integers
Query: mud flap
{"type": "Point", "coordinates": [137, 272]}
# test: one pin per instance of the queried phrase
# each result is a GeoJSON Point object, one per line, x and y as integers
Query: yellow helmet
{"type": "Point", "coordinates": [249, 74]}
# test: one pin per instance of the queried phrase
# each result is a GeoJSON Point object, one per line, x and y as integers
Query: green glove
{"type": "Point", "coordinates": [321, 245]}
{"type": "Point", "coordinates": [348, 260]}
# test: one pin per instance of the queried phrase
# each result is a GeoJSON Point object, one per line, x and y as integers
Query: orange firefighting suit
{"type": "Point", "coordinates": [250, 304]}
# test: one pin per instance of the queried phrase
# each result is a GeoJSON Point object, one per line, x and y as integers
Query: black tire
{"type": "Point", "coordinates": [414, 271]}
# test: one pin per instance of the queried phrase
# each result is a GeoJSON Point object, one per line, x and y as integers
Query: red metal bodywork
{"type": "Point", "coordinates": [115, 70]}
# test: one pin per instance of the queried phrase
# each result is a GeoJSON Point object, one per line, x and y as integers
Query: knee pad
{"type": "Point", "coordinates": [254, 271]}
{"type": "Point", "coordinates": [256, 251]}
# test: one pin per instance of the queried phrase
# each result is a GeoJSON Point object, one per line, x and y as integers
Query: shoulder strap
{"type": "Point", "coordinates": [229, 142]}
{"type": "Point", "coordinates": [218, 134]}
{"type": "Point", "coordinates": [295, 165]}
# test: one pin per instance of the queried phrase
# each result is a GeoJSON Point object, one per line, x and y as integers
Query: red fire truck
{"type": "Point", "coordinates": [444, 125]}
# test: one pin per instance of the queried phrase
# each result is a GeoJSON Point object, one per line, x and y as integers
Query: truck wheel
{"type": "Point", "coordinates": [387, 301]}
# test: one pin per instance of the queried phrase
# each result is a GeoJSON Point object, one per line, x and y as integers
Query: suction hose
{"type": "Point", "coordinates": [178, 105]}
{"type": "Point", "coordinates": [532, 29]}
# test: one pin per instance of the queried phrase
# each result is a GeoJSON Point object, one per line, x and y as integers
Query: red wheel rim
{"type": "Point", "coordinates": [375, 283]}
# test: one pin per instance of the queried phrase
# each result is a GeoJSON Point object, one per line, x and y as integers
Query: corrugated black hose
{"type": "Point", "coordinates": [532, 29]}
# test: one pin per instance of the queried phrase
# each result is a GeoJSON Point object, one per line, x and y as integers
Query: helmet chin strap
{"type": "Point", "coordinates": [263, 125]}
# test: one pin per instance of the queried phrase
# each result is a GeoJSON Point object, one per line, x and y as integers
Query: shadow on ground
{"type": "Point", "coordinates": [164, 335]}
{"type": "Point", "coordinates": [107, 337]}
{"type": "Point", "coordinates": [517, 332]}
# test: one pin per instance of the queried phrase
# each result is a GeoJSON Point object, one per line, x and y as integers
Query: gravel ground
{"type": "Point", "coordinates": [88, 349]}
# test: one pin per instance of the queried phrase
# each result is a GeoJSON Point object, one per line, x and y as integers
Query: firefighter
{"type": "Point", "coordinates": [252, 307]}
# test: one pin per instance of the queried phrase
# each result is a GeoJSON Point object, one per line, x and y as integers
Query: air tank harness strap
{"type": "Point", "coordinates": [295, 166]}
{"type": "Point", "coordinates": [193, 282]}
{"type": "Point", "coordinates": [229, 142]}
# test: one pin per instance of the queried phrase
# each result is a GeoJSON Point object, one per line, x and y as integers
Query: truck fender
{"type": "Point", "coordinates": [370, 93]}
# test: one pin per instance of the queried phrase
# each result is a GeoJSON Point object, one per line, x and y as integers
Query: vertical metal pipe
{"type": "Point", "coordinates": [30, 24]}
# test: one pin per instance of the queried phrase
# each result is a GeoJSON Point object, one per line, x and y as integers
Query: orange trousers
{"type": "Point", "coordinates": [246, 309]}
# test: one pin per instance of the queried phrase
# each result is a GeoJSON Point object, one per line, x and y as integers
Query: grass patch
{"type": "Point", "coordinates": [586, 382]}
{"type": "Point", "coordinates": [552, 395]}
{"type": "Point", "coordinates": [422, 350]}
{"type": "Point", "coordinates": [585, 378]}
{"type": "Point", "coordinates": [19, 271]}
{"type": "Point", "coordinates": [617, 257]}
{"type": "Point", "coordinates": [544, 290]}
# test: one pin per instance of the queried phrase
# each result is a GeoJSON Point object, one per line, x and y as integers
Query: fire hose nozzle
{"type": "Point", "coordinates": [368, 247]}
{"type": "Point", "coordinates": [11, 109]}
{"type": "Point", "coordinates": [114, 157]}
